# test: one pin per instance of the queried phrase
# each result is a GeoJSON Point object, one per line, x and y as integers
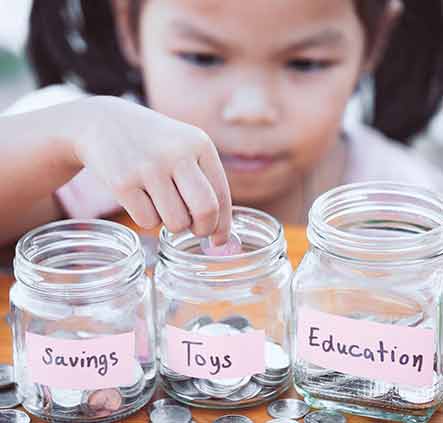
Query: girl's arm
{"type": "Point", "coordinates": [34, 162]}
{"type": "Point", "coordinates": [158, 169]}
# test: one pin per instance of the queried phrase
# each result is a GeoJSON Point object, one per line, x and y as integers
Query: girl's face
{"type": "Point", "coordinates": [267, 80]}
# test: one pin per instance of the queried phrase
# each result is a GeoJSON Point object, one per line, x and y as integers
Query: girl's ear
{"type": "Point", "coordinates": [125, 31]}
{"type": "Point", "coordinates": [391, 16]}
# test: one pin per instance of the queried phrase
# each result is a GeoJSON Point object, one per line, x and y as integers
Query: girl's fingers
{"type": "Point", "coordinates": [139, 206]}
{"type": "Point", "coordinates": [168, 202]}
{"type": "Point", "coordinates": [199, 197]}
{"type": "Point", "coordinates": [212, 168]}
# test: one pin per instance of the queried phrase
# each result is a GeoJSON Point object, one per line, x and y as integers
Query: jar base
{"type": "Point", "coordinates": [138, 405]}
{"type": "Point", "coordinates": [221, 404]}
{"type": "Point", "coordinates": [365, 410]}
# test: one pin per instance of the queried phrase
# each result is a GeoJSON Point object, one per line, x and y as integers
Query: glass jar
{"type": "Point", "coordinates": [83, 332]}
{"type": "Point", "coordinates": [367, 303]}
{"type": "Point", "coordinates": [223, 321]}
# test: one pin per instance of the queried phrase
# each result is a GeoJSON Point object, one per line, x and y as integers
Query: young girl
{"type": "Point", "coordinates": [269, 83]}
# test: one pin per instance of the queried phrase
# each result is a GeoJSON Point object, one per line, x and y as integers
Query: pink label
{"type": "Point", "coordinates": [215, 357]}
{"type": "Point", "coordinates": [389, 353]}
{"type": "Point", "coordinates": [98, 363]}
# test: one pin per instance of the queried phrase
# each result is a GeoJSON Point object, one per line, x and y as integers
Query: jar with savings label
{"type": "Point", "coordinates": [82, 322]}
{"type": "Point", "coordinates": [223, 320]}
{"type": "Point", "coordinates": [367, 302]}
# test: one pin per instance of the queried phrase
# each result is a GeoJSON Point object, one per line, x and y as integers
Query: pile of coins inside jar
{"type": "Point", "coordinates": [282, 411]}
{"type": "Point", "coordinates": [92, 404]}
{"type": "Point", "coordinates": [226, 392]}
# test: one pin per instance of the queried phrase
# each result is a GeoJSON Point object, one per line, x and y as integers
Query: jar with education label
{"type": "Point", "coordinates": [367, 301]}
{"type": "Point", "coordinates": [223, 314]}
{"type": "Point", "coordinates": [82, 322]}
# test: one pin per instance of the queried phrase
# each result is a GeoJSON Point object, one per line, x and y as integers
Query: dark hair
{"type": "Point", "coordinates": [76, 39]}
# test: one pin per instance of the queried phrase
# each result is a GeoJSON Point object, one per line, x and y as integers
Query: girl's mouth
{"type": "Point", "coordinates": [244, 163]}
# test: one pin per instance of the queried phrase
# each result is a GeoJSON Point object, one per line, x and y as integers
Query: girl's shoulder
{"type": "Point", "coordinates": [372, 156]}
{"type": "Point", "coordinates": [45, 97]}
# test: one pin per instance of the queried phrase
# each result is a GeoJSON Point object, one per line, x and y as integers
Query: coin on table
{"type": "Point", "coordinates": [6, 376]}
{"type": "Point", "coordinates": [14, 416]}
{"type": "Point", "coordinates": [233, 418]}
{"type": "Point", "coordinates": [164, 402]}
{"type": "Point", "coordinates": [171, 414]}
{"type": "Point", "coordinates": [288, 408]}
{"type": "Point", "coordinates": [282, 420]}
{"type": "Point", "coordinates": [10, 398]}
{"type": "Point", "coordinates": [325, 416]}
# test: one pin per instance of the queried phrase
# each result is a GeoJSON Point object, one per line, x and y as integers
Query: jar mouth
{"type": "Point", "coordinates": [80, 254]}
{"type": "Point", "coordinates": [382, 221]}
{"type": "Point", "coordinates": [254, 227]}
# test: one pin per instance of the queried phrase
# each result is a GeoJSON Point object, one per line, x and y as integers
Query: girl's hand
{"type": "Point", "coordinates": [159, 169]}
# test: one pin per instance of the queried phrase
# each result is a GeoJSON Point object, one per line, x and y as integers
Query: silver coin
{"type": "Point", "coordinates": [276, 357]}
{"type": "Point", "coordinates": [171, 414]}
{"type": "Point", "coordinates": [6, 376]}
{"type": "Point", "coordinates": [282, 420]}
{"type": "Point", "coordinates": [247, 392]}
{"type": "Point", "coordinates": [288, 408]}
{"type": "Point", "coordinates": [165, 402]}
{"type": "Point", "coordinates": [66, 398]}
{"type": "Point", "coordinates": [237, 322]}
{"type": "Point", "coordinates": [233, 418]}
{"type": "Point", "coordinates": [197, 322]}
{"type": "Point", "coordinates": [218, 329]}
{"type": "Point", "coordinates": [325, 417]}
{"type": "Point", "coordinates": [14, 416]}
{"type": "Point", "coordinates": [187, 390]}
{"type": "Point", "coordinates": [10, 398]}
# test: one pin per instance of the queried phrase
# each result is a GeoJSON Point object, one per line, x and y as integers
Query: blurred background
{"type": "Point", "coordinates": [15, 77]}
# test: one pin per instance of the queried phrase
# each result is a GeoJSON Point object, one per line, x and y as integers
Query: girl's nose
{"type": "Point", "coordinates": [250, 105]}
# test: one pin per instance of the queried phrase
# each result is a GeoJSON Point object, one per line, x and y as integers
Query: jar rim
{"type": "Point", "coordinates": [22, 257]}
{"type": "Point", "coordinates": [323, 234]}
{"type": "Point", "coordinates": [167, 246]}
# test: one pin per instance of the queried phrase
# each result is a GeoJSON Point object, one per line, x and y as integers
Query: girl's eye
{"type": "Point", "coordinates": [204, 60]}
{"type": "Point", "coordinates": [308, 65]}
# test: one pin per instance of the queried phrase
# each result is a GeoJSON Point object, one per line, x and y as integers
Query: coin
{"type": "Point", "coordinates": [6, 376]}
{"type": "Point", "coordinates": [13, 416]}
{"type": "Point", "coordinates": [288, 408]}
{"type": "Point", "coordinates": [282, 420]}
{"type": "Point", "coordinates": [232, 247]}
{"type": "Point", "coordinates": [164, 402]}
{"type": "Point", "coordinates": [325, 417]}
{"type": "Point", "coordinates": [108, 400]}
{"type": "Point", "coordinates": [233, 418]}
{"type": "Point", "coordinates": [10, 398]}
{"type": "Point", "coordinates": [220, 388]}
{"type": "Point", "coordinates": [171, 414]}
{"type": "Point", "coordinates": [187, 390]}
{"type": "Point", "coordinates": [237, 322]}
{"type": "Point", "coordinates": [66, 398]}
{"type": "Point", "coordinates": [197, 322]}
{"type": "Point", "coordinates": [247, 392]}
